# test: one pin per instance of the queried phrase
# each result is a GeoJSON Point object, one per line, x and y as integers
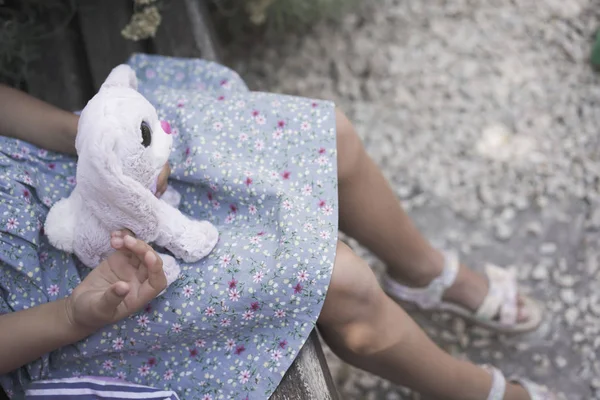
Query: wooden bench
{"type": "Point", "coordinates": [76, 60]}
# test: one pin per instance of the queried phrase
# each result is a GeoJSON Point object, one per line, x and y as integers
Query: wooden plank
{"type": "Point", "coordinates": [60, 76]}
{"type": "Point", "coordinates": [309, 377]}
{"type": "Point", "coordinates": [101, 24]}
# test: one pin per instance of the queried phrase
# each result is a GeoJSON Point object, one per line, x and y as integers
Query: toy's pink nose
{"type": "Point", "coordinates": [166, 127]}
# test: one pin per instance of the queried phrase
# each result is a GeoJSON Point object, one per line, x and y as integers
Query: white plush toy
{"type": "Point", "coordinates": [122, 147]}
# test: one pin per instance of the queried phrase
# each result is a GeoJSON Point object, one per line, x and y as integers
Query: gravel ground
{"type": "Point", "coordinates": [485, 117]}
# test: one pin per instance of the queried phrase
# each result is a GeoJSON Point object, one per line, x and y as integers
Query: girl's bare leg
{"type": "Point", "coordinates": [367, 329]}
{"type": "Point", "coordinates": [371, 213]}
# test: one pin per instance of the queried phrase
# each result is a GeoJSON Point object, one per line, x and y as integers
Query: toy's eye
{"type": "Point", "coordinates": [146, 134]}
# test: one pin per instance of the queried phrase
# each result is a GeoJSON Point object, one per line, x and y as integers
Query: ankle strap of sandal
{"type": "Point", "coordinates": [498, 384]}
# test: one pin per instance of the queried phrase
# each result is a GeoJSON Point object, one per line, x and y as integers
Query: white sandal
{"type": "Point", "coordinates": [498, 311]}
{"type": "Point", "coordinates": [535, 391]}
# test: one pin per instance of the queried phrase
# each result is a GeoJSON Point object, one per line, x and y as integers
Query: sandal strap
{"type": "Point", "coordinates": [429, 296]}
{"type": "Point", "coordinates": [502, 297]}
{"type": "Point", "coordinates": [498, 383]}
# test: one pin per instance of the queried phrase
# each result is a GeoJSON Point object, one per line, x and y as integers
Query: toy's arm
{"type": "Point", "coordinates": [26, 118]}
{"type": "Point", "coordinates": [187, 239]}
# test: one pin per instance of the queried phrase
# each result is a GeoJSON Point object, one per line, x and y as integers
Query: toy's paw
{"type": "Point", "coordinates": [170, 268]}
{"type": "Point", "coordinates": [196, 241]}
{"type": "Point", "coordinates": [171, 197]}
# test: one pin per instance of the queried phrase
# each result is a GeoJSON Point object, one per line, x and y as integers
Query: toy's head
{"type": "Point", "coordinates": [119, 131]}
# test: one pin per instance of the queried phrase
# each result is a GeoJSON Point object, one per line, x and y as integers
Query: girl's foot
{"type": "Point", "coordinates": [516, 389]}
{"type": "Point", "coordinates": [492, 300]}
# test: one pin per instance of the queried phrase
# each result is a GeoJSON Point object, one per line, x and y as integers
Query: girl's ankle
{"type": "Point", "coordinates": [515, 392]}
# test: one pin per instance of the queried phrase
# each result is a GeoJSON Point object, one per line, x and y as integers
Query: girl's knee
{"type": "Point", "coordinates": [354, 292]}
{"type": "Point", "coordinates": [349, 146]}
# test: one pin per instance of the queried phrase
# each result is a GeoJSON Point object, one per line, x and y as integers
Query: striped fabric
{"type": "Point", "coordinates": [92, 388]}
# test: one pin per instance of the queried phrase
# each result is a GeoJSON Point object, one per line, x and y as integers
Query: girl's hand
{"type": "Point", "coordinates": [161, 185]}
{"type": "Point", "coordinates": [121, 285]}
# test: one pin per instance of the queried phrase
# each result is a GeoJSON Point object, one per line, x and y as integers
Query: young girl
{"type": "Point", "coordinates": [274, 173]}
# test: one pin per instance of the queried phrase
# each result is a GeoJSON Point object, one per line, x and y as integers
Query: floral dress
{"type": "Point", "coordinates": [262, 168]}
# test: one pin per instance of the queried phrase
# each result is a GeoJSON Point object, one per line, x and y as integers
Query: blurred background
{"type": "Point", "coordinates": [485, 116]}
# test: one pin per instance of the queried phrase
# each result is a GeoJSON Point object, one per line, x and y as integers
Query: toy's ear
{"type": "Point", "coordinates": [121, 76]}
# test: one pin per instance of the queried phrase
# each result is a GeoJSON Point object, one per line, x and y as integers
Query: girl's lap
{"type": "Point", "coordinates": [262, 168]}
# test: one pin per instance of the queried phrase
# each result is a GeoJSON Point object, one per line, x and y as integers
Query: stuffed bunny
{"type": "Point", "coordinates": [122, 147]}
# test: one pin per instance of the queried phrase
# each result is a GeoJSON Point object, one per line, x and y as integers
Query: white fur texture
{"type": "Point", "coordinates": [114, 174]}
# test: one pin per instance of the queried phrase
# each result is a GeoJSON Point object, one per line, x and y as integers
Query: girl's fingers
{"type": "Point", "coordinates": [113, 296]}
{"type": "Point", "coordinates": [156, 276]}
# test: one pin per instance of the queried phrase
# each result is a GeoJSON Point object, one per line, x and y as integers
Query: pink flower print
{"type": "Point", "coordinates": [234, 295]}
{"type": "Point", "coordinates": [233, 208]}
{"type": "Point", "coordinates": [27, 180]}
{"type": "Point", "coordinates": [143, 320]}
{"type": "Point", "coordinates": [187, 151]}
{"type": "Point", "coordinates": [324, 235]}
{"type": "Point", "coordinates": [200, 343]}
{"type": "Point", "coordinates": [175, 132]}
{"type": "Point", "coordinates": [229, 219]}
{"type": "Point", "coordinates": [322, 150]}
{"type": "Point", "coordinates": [209, 311]}
{"type": "Point", "coordinates": [322, 160]}
{"type": "Point", "coordinates": [225, 322]}
{"type": "Point", "coordinates": [187, 162]}
{"type": "Point", "coordinates": [193, 352]}
{"type": "Point", "coordinates": [305, 126]}
{"type": "Point", "coordinates": [207, 397]}
{"type": "Point", "coordinates": [259, 145]}
{"type": "Point", "coordinates": [248, 315]}
{"type": "Point", "coordinates": [150, 73]}
{"type": "Point", "coordinates": [307, 190]}
{"type": "Point", "coordinates": [143, 370]}
{"type": "Point", "coordinates": [243, 137]}
{"type": "Point", "coordinates": [168, 375]}
{"type": "Point", "coordinates": [118, 343]}
{"type": "Point", "coordinates": [180, 103]}
{"type": "Point", "coordinates": [209, 196]}
{"type": "Point", "coordinates": [176, 328]}
{"type": "Point", "coordinates": [42, 153]}
{"type": "Point", "coordinates": [277, 134]}
{"type": "Point", "coordinates": [43, 256]}
{"type": "Point", "coordinates": [71, 180]}
{"type": "Point", "coordinates": [225, 260]}
{"type": "Point", "coordinates": [230, 344]}
{"type": "Point", "coordinates": [240, 349]}
{"type": "Point", "coordinates": [314, 105]}
{"type": "Point", "coordinates": [287, 205]}
{"type": "Point", "coordinates": [53, 290]}
{"type": "Point", "coordinates": [17, 156]}
{"type": "Point", "coordinates": [216, 205]}
{"type": "Point", "coordinates": [255, 306]}
{"type": "Point", "coordinates": [327, 210]}
{"type": "Point", "coordinates": [248, 182]}
{"type": "Point", "coordinates": [217, 155]}
{"type": "Point", "coordinates": [260, 120]}
{"type": "Point", "coordinates": [221, 98]}
{"type": "Point", "coordinates": [255, 113]}
{"type": "Point", "coordinates": [188, 291]}
{"type": "Point", "coordinates": [148, 308]}
{"type": "Point", "coordinates": [255, 240]}
{"type": "Point", "coordinates": [218, 126]}
{"type": "Point", "coordinates": [108, 364]}
{"type": "Point", "coordinates": [286, 175]}
{"type": "Point", "coordinates": [11, 224]}
{"type": "Point", "coordinates": [322, 203]}
{"type": "Point", "coordinates": [252, 209]}
{"type": "Point", "coordinates": [152, 361]}
{"type": "Point", "coordinates": [281, 124]}
{"type": "Point", "coordinates": [244, 376]}
{"type": "Point", "coordinates": [280, 313]}
{"type": "Point", "coordinates": [258, 277]}
{"type": "Point", "coordinates": [47, 201]}
{"type": "Point", "coordinates": [276, 355]}
{"type": "Point", "coordinates": [232, 284]}
{"type": "Point", "coordinates": [282, 344]}
{"type": "Point", "coordinates": [298, 288]}
{"type": "Point", "coordinates": [303, 275]}
{"type": "Point", "coordinates": [121, 375]}
{"type": "Point", "coordinates": [179, 76]}
{"type": "Point", "coordinates": [225, 83]}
